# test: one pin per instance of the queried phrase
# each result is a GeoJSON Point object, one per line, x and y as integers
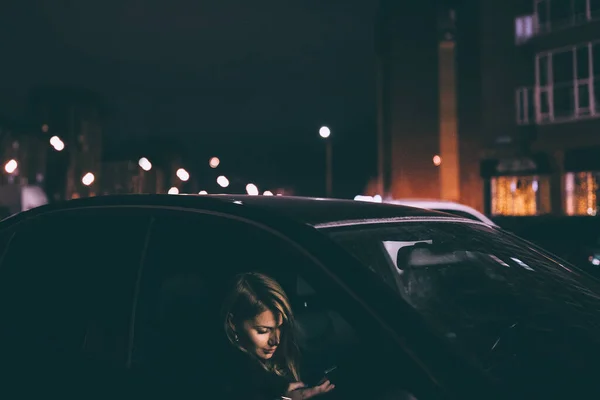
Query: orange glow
{"type": "Point", "coordinates": [580, 190]}
{"type": "Point", "coordinates": [520, 195]}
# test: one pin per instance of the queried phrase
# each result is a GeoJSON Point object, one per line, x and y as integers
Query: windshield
{"type": "Point", "coordinates": [512, 311]}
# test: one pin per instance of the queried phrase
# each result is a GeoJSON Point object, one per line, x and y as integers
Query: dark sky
{"type": "Point", "coordinates": [250, 81]}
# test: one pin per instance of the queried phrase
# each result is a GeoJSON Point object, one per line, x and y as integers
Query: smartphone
{"type": "Point", "coordinates": [330, 374]}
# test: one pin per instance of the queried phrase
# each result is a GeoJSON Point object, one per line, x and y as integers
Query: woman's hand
{"type": "Point", "coordinates": [299, 391]}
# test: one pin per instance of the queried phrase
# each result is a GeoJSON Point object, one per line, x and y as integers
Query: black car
{"type": "Point", "coordinates": [406, 302]}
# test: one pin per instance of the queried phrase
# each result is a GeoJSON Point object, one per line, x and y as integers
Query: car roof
{"type": "Point", "coordinates": [441, 205]}
{"type": "Point", "coordinates": [311, 211]}
{"type": "Point", "coordinates": [451, 205]}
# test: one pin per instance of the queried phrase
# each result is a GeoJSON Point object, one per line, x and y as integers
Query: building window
{"type": "Point", "coordinates": [561, 13]}
{"type": "Point", "coordinates": [523, 28]}
{"type": "Point", "coordinates": [543, 88]}
{"type": "Point", "coordinates": [520, 195]}
{"type": "Point", "coordinates": [593, 9]}
{"type": "Point", "coordinates": [542, 16]}
{"type": "Point", "coordinates": [525, 106]}
{"type": "Point", "coordinates": [595, 77]}
{"type": "Point", "coordinates": [581, 193]}
{"type": "Point", "coordinates": [552, 15]}
{"type": "Point", "coordinates": [565, 88]}
{"type": "Point", "coordinates": [581, 11]}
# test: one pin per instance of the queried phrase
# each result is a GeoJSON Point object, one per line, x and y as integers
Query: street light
{"type": "Point", "coordinates": [11, 166]}
{"type": "Point", "coordinates": [437, 160]}
{"type": "Point", "coordinates": [251, 189]}
{"type": "Point", "coordinates": [173, 190]}
{"type": "Point", "coordinates": [203, 192]}
{"type": "Point", "coordinates": [325, 132]}
{"type": "Point", "coordinates": [268, 193]}
{"type": "Point", "coordinates": [88, 179]}
{"type": "Point", "coordinates": [223, 181]}
{"type": "Point", "coordinates": [145, 164]}
{"type": "Point", "coordinates": [214, 162]}
{"type": "Point", "coordinates": [183, 174]}
{"type": "Point", "coordinates": [58, 144]}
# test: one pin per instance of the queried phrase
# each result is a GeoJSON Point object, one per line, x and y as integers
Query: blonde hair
{"type": "Point", "coordinates": [251, 294]}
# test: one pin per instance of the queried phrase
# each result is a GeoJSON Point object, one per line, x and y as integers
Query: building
{"type": "Point", "coordinates": [426, 148]}
{"type": "Point", "coordinates": [76, 116]}
{"type": "Point", "coordinates": [540, 63]}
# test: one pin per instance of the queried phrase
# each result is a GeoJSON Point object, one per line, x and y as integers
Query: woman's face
{"type": "Point", "coordinates": [261, 334]}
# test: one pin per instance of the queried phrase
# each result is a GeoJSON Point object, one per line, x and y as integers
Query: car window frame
{"type": "Point", "coordinates": [316, 268]}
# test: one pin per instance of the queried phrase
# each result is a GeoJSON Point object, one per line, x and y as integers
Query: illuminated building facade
{"type": "Point", "coordinates": [541, 106]}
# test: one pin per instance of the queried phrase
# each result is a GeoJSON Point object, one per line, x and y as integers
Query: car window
{"type": "Point", "coordinates": [503, 304]}
{"type": "Point", "coordinates": [189, 261]}
{"type": "Point", "coordinates": [67, 284]}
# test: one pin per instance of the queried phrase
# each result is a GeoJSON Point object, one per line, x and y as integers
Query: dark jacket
{"type": "Point", "coordinates": [245, 378]}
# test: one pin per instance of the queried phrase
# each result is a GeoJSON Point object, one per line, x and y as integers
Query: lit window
{"type": "Point", "coordinates": [523, 28]}
{"type": "Point", "coordinates": [581, 189]}
{"type": "Point", "coordinates": [520, 195]}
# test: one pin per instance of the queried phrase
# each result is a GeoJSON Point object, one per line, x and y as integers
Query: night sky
{"type": "Point", "coordinates": [250, 82]}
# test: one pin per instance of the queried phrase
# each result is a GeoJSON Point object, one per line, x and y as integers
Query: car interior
{"type": "Point", "coordinates": [179, 333]}
{"type": "Point", "coordinates": [178, 321]}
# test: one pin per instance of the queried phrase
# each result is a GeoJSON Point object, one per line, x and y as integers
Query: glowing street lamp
{"type": "Point", "coordinates": [325, 132]}
{"type": "Point", "coordinates": [11, 166]}
{"type": "Point", "coordinates": [57, 143]}
{"type": "Point", "coordinates": [145, 164]}
{"type": "Point", "coordinates": [203, 192]}
{"type": "Point", "coordinates": [182, 174]}
{"type": "Point", "coordinates": [214, 162]}
{"type": "Point", "coordinates": [88, 179]}
{"type": "Point", "coordinates": [173, 190]}
{"type": "Point", "coordinates": [223, 181]}
{"type": "Point", "coordinates": [268, 193]}
{"type": "Point", "coordinates": [251, 189]}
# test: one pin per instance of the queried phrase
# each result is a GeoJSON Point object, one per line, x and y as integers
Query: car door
{"type": "Point", "coordinates": [191, 257]}
{"type": "Point", "coordinates": [67, 284]}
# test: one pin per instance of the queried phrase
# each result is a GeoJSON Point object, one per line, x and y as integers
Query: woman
{"type": "Point", "coordinates": [260, 326]}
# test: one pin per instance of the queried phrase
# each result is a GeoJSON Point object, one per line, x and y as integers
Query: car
{"type": "Point", "coordinates": [115, 295]}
